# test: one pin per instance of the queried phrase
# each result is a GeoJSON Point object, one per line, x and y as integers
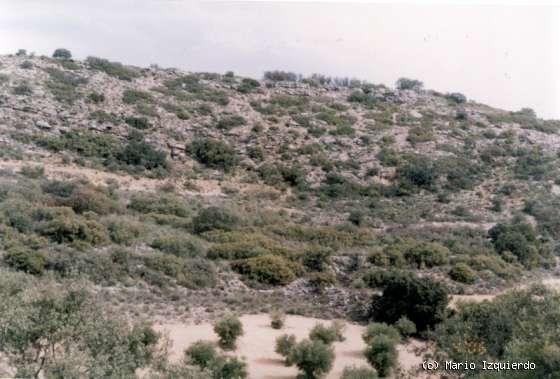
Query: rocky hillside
{"type": "Point", "coordinates": [155, 183]}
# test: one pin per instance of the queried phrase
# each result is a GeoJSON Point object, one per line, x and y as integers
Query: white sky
{"type": "Point", "coordinates": [504, 55]}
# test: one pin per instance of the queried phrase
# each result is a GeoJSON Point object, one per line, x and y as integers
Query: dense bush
{"type": "Point", "coordinates": [382, 354]}
{"type": "Point", "coordinates": [284, 346]}
{"type": "Point", "coordinates": [96, 98]}
{"type": "Point", "coordinates": [461, 272]}
{"type": "Point", "coordinates": [405, 327]}
{"type": "Point", "coordinates": [420, 134]}
{"type": "Point", "coordinates": [316, 258]}
{"type": "Point", "coordinates": [427, 255]}
{"type": "Point", "coordinates": [226, 367]}
{"type": "Point", "coordinates": [62, 54]}
{"type": "Point", "coordinates": [179, 245]}
{"type": "Point", "coordinates": [409, 84]}
{"type": "Point", "coordinates": [516, 327]}
{"type": "Point", "coordinates": [138, 122]}
{"type": "Point", "coordinates": [518, 238]}
{"type": "Point", "coordinates": [421, 300]}
{"type": "Point", "coordinates": [418, 172]}
{"type": "Point", "coordinates": [132, 96]}
{"type": "Point", "coordinates": [228, 329]}
{"type": "Point", "coordinates": [215, 218]}
{"type": "Point", "coordinates": [112, 68]}
{"type": "Point", "coordinates": [377, 329]}
{"type": "Point", "coordinates": [277, 319]}
{"type": "Point", "coordinates": [201, 353]}
{"type": "Point", "coordinates": [213, 153]}
{"type": "Point", "coordinates": [325, 334]}
{"type": "Point", "coordinates": [313, 358]}
{"type": "Point", "coordinates": [231, 121]}
{"type": "Point", "coordinates": [163, 204]}
{"type": "Point", "coordinates": [31, 262]}
{"type": "Point", "coordinates": [278, 76]}
{"type": "Point", "coordinates": [268, 269]}
{"type": "Point", "coordinates": [139, 153]}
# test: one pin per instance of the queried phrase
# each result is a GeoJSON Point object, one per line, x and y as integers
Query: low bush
{"type": "Point", "coordinates": [30, 262]}
{"type": "Point", "coordinates": [201, 354]}
{"type": "Point", "coordinates": [268, 269]}
{"type": "Point", "coordinates": [359, 373]}
{"type": "Point", "coordinates": [131, 96]}
{"type": "Point", "coordinates": [96, 98]}
{"type": "Point", "coordinates": [519, 238]}
{"type": "Point", "coordinates": [230, 122]}
{"type": "Point", "coordinates": [215, 218]}
{"type": "Point", "coordinates": [377, 329]}
{"type": "Point", "coordinates": [382, 354]}
{"type": "Point", "coordinates": [409, 84]}
{"type": "Point", "coordinates": [213, 153]}
{"type": "Point", "coordinates": [405, 327]}
{"type": "Point", "coordinates": [462, 273]}
{"type": "Point", "coordinates": [140, 123]}
{"type": "Point", "coordinates": [313, 358]}
{"type": "Point", "coordinates": [277, 319]}
{"type": "Point", "coordinates": [226, 367]}
{"type": "Point", "coordinates": [112, 68]}
{"type": "Point", "coordinates": [162, 204]}
{"type": "Point", "coordinates": [228, 329]}
{"type": "Point", "coordinates": [179, 245]}
{"type": "Point", "coordinates": [323, 333]}
{"type": "Point", "coordinates": [284, 346]}
{"type": "Point", "coordinates": [427, 255]}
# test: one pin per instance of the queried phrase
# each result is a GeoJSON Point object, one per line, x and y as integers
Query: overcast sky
{"type": "Point", "coordinates": [503, 55]}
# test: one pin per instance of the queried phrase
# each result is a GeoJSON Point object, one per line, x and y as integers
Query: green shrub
{"type": "Point", "coordinates": [162, 204]}
{"type": "Point", "coordinates": [31, 262]}
{"type": "Point", "coordinates": [316, 258]}
{"type": "Point", "coordinates": [277, 319]}
{"type": "Point", "coordinates": [421, 300]}
{"type": "Point", "coordinates": [409, 84]}
{"type": "Point", "coordinates": [322, 280]}
{"type": "Point", "coordinates": [103, 117]}
{"type": "Point", "coordinates": [427, 255]}
{"type": "Point", "coordinates": [96, 98]}
{"type": "Point", "coordinates": [141, 154]}
{"type": "Point", "coordinates": [248, 85]}
{"type": "Point", "coordinates": [179, 245]}
{"type": "Point", "coordinates": [230, 122]}
{"type": "Point", "coordinates": [85, 143]}
{"type": "Point", "coordinates": [323, 334]}
{"type": "Point", "coordinates": [377, 329]}
{"type": "Point", "coordinates": [62, 225]}
{"type": "Point", "coordinates": [23, 89]}
{"type": "Point", "coordinates": [313, 358]}
{"type": "Point", "coordinates": [213, 153]}
{"type": "Point", "coordinates": [268, 269]}
{"type": "Point", "coordinates": [201, 353]}
{"type": "Point", "coordinates": [62, 54]}
{"type": "Point", "coordinates": [358, 373]}
{"type": "Point", "coordinates": [518, 238]}
{"type": "Point", "coordinates": [33, 172]}
{"type": "Point", "coordinates": [90, 199]}
{"type": "Point", "coordinates": [389, 256]}
{"type": "Point", "coordinates": [461, 272]}
{"type": "Point", "coordinates": [193, 273]}
{"type": "Point", "coordinates": [284, 346]}
{"type": "Point", "coordinates": [124, 231]}
{"type": "Point", "coordinates": [382, 354]}
{"type": "Point", "coordinates": [228, 329]}
{"type": "Point", "coordinates": [405, 327]}
{"type": "Point", "coordinates": [26, 65]}
{"type": "Point", "coordinates": [419, 134]}
{"type": "Point", "coordinates": [131, 96]}
{"type": "Point", "coordinates": [417, 173]}
{"type": "Point", "coordinates": [389, 157]}
{"type": "Point", "coordinates": [140, 123]}
{"type": "Point", "coordinates": [112, 68]}
{"type": "Point", "coordinates": [215, 218]}
{"type": "Point", "coordinates": [226, 367]}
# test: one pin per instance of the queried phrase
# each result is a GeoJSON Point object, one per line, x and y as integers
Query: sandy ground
{"type": "Point", "coordinates": [256, 346]}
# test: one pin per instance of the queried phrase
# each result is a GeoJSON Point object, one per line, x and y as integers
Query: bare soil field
{"type": "Point", "coordinates": [256, 346]}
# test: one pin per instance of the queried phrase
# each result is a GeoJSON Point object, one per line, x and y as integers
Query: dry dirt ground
{"type": "Point", "coordinates": [257, 344]}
